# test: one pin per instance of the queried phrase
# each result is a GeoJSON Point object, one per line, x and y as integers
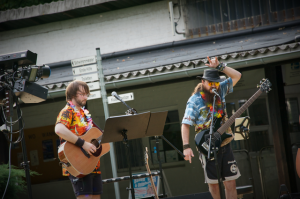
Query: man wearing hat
{"type": "Point", "coordinates": [198, 113]}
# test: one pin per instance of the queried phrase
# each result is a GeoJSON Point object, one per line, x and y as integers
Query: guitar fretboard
{"type": "Point", "coordinates": [231, 120]}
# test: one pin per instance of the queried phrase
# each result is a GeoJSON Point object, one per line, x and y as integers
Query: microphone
{"type": "Point", "coordinates": [116, 95]}
{"type": "Point", "coordinates": [215, 92]}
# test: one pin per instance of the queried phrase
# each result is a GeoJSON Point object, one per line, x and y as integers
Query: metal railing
{"type": "Point", "coordinates": [251, 173]}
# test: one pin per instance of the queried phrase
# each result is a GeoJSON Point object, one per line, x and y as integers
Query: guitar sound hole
{"type": "Point", "coordinates": [95, 143]}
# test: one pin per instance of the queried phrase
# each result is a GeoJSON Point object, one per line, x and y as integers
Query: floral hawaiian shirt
{"type": "Point", "coordinates": [69, 118]}
{"type": "Point", "coordinates": [198, 113]}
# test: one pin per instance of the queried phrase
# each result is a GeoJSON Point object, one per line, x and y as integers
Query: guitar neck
{"type": "Point", "coordinates": [99, 138]}
{"type": "Point", "coordinates": [148, 169]}
{"type": "Point", "coordinates": [231, 120]}
{"type": "Point", "coordinates": [152, 183]}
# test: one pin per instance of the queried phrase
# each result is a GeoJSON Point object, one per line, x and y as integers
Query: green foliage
{"type": "Point", "coordinates": [14, 4]}
{"type": "Point", "coordinates": [17, 181]}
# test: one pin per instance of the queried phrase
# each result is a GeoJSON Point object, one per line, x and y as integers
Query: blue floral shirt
{"type": "Point", "coordinates": [198, 114]}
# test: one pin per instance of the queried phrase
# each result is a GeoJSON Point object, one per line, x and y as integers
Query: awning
{"type": "Point", "coordinates": [155, 61]}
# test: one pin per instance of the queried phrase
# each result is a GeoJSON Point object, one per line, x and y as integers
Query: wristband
{"type": "Point", "coordinates": [186, 146]}
{"type": "Point", "coordinates": [79, 142]}
{"type": "Point", "coordinates": [221, 66]}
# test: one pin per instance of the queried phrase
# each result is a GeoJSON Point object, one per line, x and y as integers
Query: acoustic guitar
{"type": "Point", "coordinates": [77, 161]}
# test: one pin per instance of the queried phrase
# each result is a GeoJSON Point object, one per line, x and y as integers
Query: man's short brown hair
{"type": "Point", "coordinates": [73, 88]}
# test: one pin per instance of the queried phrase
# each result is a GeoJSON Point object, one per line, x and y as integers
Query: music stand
{"type": "Point", "coordinates": [242, 129]}
{"type": "Point", "coordinates": [128, 127]}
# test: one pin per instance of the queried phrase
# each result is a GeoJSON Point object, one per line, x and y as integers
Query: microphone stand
{"type": "Point", "coordinates": [214, 149]}
{"type": "Point", "coordinates": [125, 142]}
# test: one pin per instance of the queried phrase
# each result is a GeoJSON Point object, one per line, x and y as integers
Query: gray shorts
{"type": "Point", "coordinates": [227, 165]}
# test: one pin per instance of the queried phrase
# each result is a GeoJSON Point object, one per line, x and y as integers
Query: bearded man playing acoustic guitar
{"type": "Point", "coordinates": [74, 121]}
{"type": "Point", "coordinates": [198, 113]}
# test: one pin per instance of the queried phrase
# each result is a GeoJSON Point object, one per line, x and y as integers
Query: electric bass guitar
{"type": "Point", "coordinates": [202, 138]}
{"type": "Point", "coordinates": [77, 161]}
{"type": "Point", "coordinates": [151, 179]}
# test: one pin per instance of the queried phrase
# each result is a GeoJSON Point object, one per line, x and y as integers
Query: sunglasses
{"type": "Point", "coordinates": [213, 83]}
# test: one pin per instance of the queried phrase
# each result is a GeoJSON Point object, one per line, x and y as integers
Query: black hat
{"type": "Point", "coordinates": [211, 75]}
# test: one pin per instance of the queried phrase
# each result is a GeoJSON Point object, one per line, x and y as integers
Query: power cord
{"type": "Point", "coordinates": [9, 162]}
{"type": "Point", "coordinates": [10, 124]}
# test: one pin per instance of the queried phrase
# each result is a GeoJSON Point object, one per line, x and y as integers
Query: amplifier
{"type": "Point", "coordinates": [22, 58]}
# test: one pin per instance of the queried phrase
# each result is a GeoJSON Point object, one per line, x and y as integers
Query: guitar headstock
{"type": "Point", "coordinates": [265, 85]}
{"type": "Point", "coordinates": [146, 156]}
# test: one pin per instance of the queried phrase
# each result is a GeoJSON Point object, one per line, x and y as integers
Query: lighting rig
{"type": "Point", "coordinates": [18, 74]}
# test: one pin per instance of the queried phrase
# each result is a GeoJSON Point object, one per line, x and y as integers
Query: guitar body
{"type": "Point", "coordinates": [76, 160]}
{"type": "Point", "coordinates": [202, 139]}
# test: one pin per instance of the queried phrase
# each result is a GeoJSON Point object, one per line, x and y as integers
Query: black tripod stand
{"type": "Point", "coordinates": [160, 162]}
{"type": "Point", "coordinates": [10, 100]}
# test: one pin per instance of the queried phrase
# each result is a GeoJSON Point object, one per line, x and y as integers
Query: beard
{"type": "Point", "coordinates": [80, 103]}
{"type": "Point", "coordinates": [209, 97]}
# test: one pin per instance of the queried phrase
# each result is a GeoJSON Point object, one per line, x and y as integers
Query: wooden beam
{"type": "Point", "coordinates": [280, 131]}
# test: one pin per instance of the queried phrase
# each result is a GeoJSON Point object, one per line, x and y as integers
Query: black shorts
{"type": "Point", "coordinates": [227, 165]}
{"type": "Point", "coordinates": [88, 185]}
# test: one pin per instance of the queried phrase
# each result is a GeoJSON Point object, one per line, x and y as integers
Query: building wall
{"type": "Point", "coordinates": [113, 31]}
{"type": "Point", "coordinates": [182, 177]}
{"type": "Point", "coordinates": [172, 96]}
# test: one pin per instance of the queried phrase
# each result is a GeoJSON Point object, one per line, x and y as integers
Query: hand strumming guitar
{"type": "Point", "coordinates": [88, 147]}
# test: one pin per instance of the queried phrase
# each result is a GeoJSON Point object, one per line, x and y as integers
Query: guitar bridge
{"type": "Point", "coordinates": [205, 146]}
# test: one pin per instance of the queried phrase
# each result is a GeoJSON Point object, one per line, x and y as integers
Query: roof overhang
{"type": "Point", "coordinates": [60, 10]}
{"type": "Point", "coordinates": [192, 68]}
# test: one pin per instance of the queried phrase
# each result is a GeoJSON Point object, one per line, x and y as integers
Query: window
{"type": "Point", "coordinates": [210, 17]}
{"type": "Point", "coordinates": [293, 114]}
{"type": "Point", "coordinates": [257, 112]}
{"type": "Point", "coordinates": [172, 132]}
{"type": "Point", "coordinates": [48, 153]}
{"type": "Point", "coordinates": [136, 154]}
{"type": "Point", "coordinates": [258, 118]}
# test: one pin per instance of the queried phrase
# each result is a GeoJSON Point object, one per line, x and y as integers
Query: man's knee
{"type": "Point", "coordinates": [230, 185]}
{"type": "Point", "coordinates": [213, 188]}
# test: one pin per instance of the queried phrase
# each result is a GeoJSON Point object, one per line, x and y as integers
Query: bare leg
{"type": "Point", "coordinates": [230, 189]}
{"type": "Point", "coordinates": [84, 197]}
{"type": "Point", "coordinates": [89, 197]}
{"type": "Point", "coordinates": [214, 190]}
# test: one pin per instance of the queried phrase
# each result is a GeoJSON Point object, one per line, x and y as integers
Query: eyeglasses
{"type": "Point", "coordinates": [213, 83]}
{"type": "Point", "coordinates": [82, 95]}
